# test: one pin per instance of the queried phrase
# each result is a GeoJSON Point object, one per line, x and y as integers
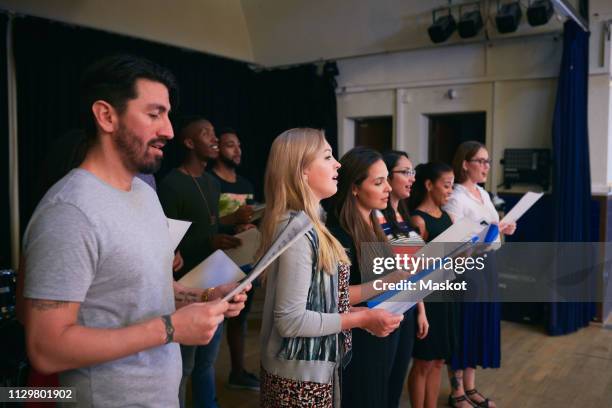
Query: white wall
{"type": "Point", "coordinates": [295, 31]}
{"type": "Point", "coordinates": [599, 132]}
{"type": "Point", "coordinates": [522, 74]}
{"type": "Point", "coordinates": [361, 105]}
{"type": "Point", "coordinates": [523, 115]}
{"type": "Point", "coordinates": [211, 26]}
{"type": "Point", "coordinates": [513, 81]}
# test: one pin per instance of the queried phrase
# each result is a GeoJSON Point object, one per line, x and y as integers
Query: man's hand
{"type": "Point", "coordinates": [177, 263]}
{"type": "Point", "coordinates": [225, 241]}
{"type": "Point", "coordinates": [243, 214]}
{"type": "Point", "coordinates": [196, 324]}
{"type": "Point", "coordinates": [243, 227]}
{"type": "Point", "coordinates": [236, 304]}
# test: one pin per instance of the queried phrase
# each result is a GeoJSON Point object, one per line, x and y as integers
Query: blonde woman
{"type": "Point", "coordinates": [305, 335]}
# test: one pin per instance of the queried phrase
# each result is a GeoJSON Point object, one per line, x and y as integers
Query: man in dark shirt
{"type": "Point", "coordinates": [236, 193]}
{"type": "Point", "coordinates": [189, 193]}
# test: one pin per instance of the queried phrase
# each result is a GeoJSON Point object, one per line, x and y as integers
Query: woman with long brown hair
{"type": "Point", "coordinates": [395, 222]}
{"type": "Point", "coordinates": [363, 188]}
{"type": "Point", "coordinates": [305, 334]}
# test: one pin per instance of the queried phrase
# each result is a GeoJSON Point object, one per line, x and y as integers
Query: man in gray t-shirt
{"type": "Point", "coordinates": [100, 298]}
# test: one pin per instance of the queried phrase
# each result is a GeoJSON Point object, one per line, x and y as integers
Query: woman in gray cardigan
{"type": "Point", "coordinates": [307, 318]}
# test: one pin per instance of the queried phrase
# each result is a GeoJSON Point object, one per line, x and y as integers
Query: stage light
{"type": "Point", "coordinates": [470, 22]}
{"type": "Point", "coordinates": [442, 27]}
{"type": "Point", "coordinates": [539, 12]}
{"type": "Point", "coordinates": [508, 17]}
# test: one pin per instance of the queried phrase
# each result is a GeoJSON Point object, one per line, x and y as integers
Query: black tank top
{"type": "Point", "coordinates": [434, 226]}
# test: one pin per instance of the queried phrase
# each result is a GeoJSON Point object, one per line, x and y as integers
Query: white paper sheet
{"type": "Point", "coordinates": [245, 253]}
{"type": "Point", "coordinates": [402, 301]}
{"type": "Point", "coordinates": [217, 269]}
{"type": "Point", "coordinates": [258, 210]}
{"type": "Point", "coordinates": [295, 229]}
{"type": "Point", "coordinates": [462, 230]}
{"type": "Point", "coordinates": [178, 229]}
{"type": "Point", "coordinates": [522, 206]}
{"type": "Point", "coordinates": [449, 243]}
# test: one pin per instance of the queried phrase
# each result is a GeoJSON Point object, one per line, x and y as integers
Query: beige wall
{"type": "Point", "coordinates": [273, 32]}
{"type": "Point", "coordinates": [523, 115]}
{"type": "Point", "coordinates": [293, 31]}
{"type": "Point", "coordinates": [361, 105]}
{"type": "Point", "coordinates": [522, 74]}
{"type": "Point", "coordinates": [211, 26]}
{"type": "Point", "coordinates": [513, 81]}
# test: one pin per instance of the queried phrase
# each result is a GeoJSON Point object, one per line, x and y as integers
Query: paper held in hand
{"type": "Point", "coordinates": [245, 253]}
{"type": "Point", "coordinates": [455, 239]}
{"type": "Point", "coordinates": [258, 210]}
{"type": "Point", "coordinates": [298, 225]}
{"type": "Point", "coordinates": [178, 229]}
{"type": "Point", "coordinates": [217, 269]}
{"type": "Point", "coordinates": [521, 207]}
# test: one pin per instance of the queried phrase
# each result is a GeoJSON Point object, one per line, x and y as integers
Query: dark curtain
{"type": "Point", "coordinates": [5, 239]}
{"type": "Point", "coordinates": [51, 56]}
{"type": "Point", "coordinates": [572, 180]}
{"type": "Point", "coordinates": [288, 98]}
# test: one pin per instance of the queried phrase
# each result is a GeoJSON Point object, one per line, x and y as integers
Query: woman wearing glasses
{"type": "Point", "coordinates": [395, 222]}
{"type": "Point", "coordinates": [480, 321]}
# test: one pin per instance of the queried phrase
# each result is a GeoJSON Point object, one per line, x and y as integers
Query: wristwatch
{"type": "Point", "coordinates": [169, 328]}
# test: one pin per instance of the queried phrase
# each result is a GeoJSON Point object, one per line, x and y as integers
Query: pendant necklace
{"type": "Point", "coordinates": [213, 219]}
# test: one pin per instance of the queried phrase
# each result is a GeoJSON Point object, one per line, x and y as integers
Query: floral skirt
{"type": "Point", "coordinates": [283, 392]}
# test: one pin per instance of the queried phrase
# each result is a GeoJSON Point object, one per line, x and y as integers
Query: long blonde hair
{"type": "Point", "coordinates": [286, 189]}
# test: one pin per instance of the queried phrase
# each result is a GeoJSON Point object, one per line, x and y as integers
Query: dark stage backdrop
{"type": "Point", "coordinates": [5, 239]}
{"type": "Point", "coordinates": [51, 56]}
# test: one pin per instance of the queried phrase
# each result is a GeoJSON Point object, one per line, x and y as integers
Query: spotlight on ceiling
{"type": "Point", "coordinates": [470, 22]}
{"type": "Point", "coordinates": [539, 12]}
{"type": "Point", "coordinates": [508, 17]}
{"type": "Point", "coordinates": [442, 27]}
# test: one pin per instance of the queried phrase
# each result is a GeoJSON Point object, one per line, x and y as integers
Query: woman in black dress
{"type": "Point", "coordinates": [395, 222]}
{"type": "Point", "coordinates": [362, 188]}
{"type": "Point", "coordinates": [431, 190]}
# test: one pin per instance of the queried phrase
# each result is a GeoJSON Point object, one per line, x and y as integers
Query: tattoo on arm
{"type": "Point", "coordinates": [186, 297]}
{"type": "Point", "coordinates": [44, 305]}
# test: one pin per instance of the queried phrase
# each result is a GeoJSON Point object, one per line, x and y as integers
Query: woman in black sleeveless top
{"type": "Point", "coordinates": [431, 190]}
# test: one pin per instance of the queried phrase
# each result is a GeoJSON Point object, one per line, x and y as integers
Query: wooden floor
{"type": "Point", "coordinates": [538, 371]}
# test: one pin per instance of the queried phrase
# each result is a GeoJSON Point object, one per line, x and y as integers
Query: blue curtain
{"type": "Point", "coordinates": [572, 179]}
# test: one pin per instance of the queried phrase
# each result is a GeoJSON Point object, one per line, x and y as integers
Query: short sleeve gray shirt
{"type": "Point", "coordinates": [109, 250]}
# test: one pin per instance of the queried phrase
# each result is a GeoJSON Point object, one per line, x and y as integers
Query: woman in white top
{"type": "Point", "coordinates": [480, 322]}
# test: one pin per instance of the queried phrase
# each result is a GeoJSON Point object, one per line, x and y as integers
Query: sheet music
{"type": "Point", "coordinates": [178, 229]}
{"type": "Point", "coordinates": [258, 210]}
{"type": "Point", "coordinates": [448, 244]}
{"type": "Point", "coordinates": [245, 253]}
{"type": "Point", "coordinates": [462, 230]}
{"type": "Point", "coordinates": [298, 226]}
{"type": "Point", "coordinates": [217, 269]}
{"type": "Point", "coordinates": [404, 300]}
{"type": "Point", "coordinates": [522, 206]}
